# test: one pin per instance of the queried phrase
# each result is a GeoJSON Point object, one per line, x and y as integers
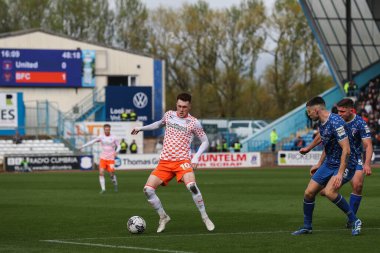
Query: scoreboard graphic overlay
{"type": "Point", "coordinates": [43, 68]}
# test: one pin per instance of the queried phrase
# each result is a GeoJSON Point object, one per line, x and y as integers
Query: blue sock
{"type": "Point", "coordinates": [355, 202]}
{"type": "Point", "coordinates": [308, 208]}
{"type": "Point", "coordinates": [345, 207]}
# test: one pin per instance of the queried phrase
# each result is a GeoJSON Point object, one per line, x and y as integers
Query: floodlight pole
{"type": "Point", "coordinates": [348, 39]}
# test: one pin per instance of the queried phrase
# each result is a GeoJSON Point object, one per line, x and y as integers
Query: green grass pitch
{"type": "Point", "coordinates": [254, 210]}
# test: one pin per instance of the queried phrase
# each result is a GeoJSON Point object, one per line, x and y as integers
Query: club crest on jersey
{"type": "Point", "coordinates": [366, 128]}
{"type": "Point", "coordinates": [354, 131]}
{"type": "Point", "coordinates": [340, 131]}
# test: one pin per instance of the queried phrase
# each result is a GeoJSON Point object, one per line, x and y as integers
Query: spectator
{"type": "Point", "coordinates": [368, 107]}
{"type": "Point", "coordinates": [17, 139]}
{"type": "Point", "coordinates": [219, 146]}
{"type": "Point", "coordinates": [345, 87]}
{"type": "Point", "coordinates": [224, 146]}
{"type": "Point", "coordinates": [25, 165]}
{"type": "Point", "coordinates": [133, 147]}
{"type": "Point", "coordinates": [124, 116]}
{"type": "Point", "coordinates": [364, 116]}
{"type": "Point", "coordinates": [123, 147]}
{"type": "Point", "coordinates": [213, 146]}
{"type": "Point", "coordinates": [352, 89]}
{"type": "Point", "coordinates": [133, 115]}
{"type": "Point", "coordinates": [273, 139]}
{"type": "Point", "coordinates": [237, 146]}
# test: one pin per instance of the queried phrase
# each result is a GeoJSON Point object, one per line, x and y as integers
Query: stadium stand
{"type": "Point", "coordinates": [368, 106]}
{"type": "Point", "coordinates": [33, 147]}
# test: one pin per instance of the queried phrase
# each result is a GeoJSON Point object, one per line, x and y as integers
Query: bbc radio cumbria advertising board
{"type": "Point", "coordinates": [47, 68]}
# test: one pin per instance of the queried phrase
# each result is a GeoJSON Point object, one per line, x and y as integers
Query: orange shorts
{"type": "Point", "coordinates": [166, 170]}
{"type": "Point", "coordinates": [108, 165]}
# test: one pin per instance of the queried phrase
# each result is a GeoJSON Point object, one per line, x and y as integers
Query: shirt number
{"type": "Point", "coordinates": [185, 166]}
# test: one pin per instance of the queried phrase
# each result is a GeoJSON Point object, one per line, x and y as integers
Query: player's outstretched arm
{"type": "Point", "coordinates": [89, 143]}
{"type": "Point", "coordinates": [153, 126]}
{"type": "Point", "coordinates": [317, 140]}
{"type": "Point", "coordinates": [202, 148]}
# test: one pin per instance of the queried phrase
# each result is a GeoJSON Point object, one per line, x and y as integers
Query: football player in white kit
{"type": "Point", "coordinates": [110, 147]}
{"type": "Point", "coordinates": [175, 158]}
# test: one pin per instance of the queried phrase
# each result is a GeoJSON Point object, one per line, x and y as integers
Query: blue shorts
{"type": "Point", "coordinates": [359, 165]}
{"type": "Point", "coordinates": [324, 173]}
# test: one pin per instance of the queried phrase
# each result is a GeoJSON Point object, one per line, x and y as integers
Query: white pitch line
{"type": "Point", "coordinates": [115, 246]}
{"type": "Point", "coordinates": [208, 234]}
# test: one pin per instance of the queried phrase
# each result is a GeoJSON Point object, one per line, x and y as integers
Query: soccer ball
{"type": "Point", "coordinates": [136, 225]}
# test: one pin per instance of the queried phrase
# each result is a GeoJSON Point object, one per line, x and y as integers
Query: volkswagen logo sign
{"type": "Point", "coordinates": [140, 100]}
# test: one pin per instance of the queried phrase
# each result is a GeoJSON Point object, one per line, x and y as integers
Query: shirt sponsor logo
{"type": "Point", "coordinates": [176, 126]}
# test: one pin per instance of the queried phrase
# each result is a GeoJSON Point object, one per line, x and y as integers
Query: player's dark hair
{"type": "Point", "coordinates": [106, 125]}
{"type": "Point", "coordinates": [346, 102]}
{"type": "Point", "coordinates": [184, 97]}
{"type": "Point", "coordinates": [316, 101]}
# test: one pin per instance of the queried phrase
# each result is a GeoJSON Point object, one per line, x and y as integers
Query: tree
{"type": "Point", "coordinates": [26, 14]}
{"type": "Point", "coordinates": [87, 19]}
{"type": "Point", "coordinates": [164, 42]}
{"type": "Point", "coordinates": [210, 53]}
{"type": "Point", "coordinates": [242, 41]}
{"type": "Point", "coordinates": [130, 28]}
{"type": "Point", "coordinates": [297, 63]}
{"type": "Point", "coordinates": [4, 17]}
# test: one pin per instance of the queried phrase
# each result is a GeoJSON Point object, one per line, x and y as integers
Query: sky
{"type": "Point", "coordinates": [264, 59]}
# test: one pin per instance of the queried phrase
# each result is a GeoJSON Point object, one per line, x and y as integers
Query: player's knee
{"type": "Point", "coordinates": [322, 193]}
{"type": "Point", "coordinates": [148, 191]}
{"type": "Point", "coordinates": [357, 188]}
{"type": "Point", "coordinates": [330, 194]}
{"type": "Point", "coordinates": [309, 195]}
{"type": "Point", "coordinates": [192, 187]}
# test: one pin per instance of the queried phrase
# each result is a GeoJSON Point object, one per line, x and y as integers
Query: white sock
{"type": "Point", "coordinates": [197, 197]}
{"type": "Point", "coordinates": [154, 200]}
{"type": "Point", "coordinates": [102, 183]}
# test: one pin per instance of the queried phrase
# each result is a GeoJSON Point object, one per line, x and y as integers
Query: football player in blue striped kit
{"type": "Point", "coordinates": [335, 167]}
{"type": "Point", "coordinates": [360, 138]}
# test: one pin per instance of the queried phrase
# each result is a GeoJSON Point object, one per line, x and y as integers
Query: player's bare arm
{"type": "Point", "coordinates": [319, 164]}
{"type": "Point", "coordinates": [338, 178]}
{"type": "Point", "coordinates": [367, 144]}
{"type": "Point", "coordinates": [317, 140]}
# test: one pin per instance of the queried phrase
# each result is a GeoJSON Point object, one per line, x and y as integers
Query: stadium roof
{"type": "Point", "coordinates": [328, 21]}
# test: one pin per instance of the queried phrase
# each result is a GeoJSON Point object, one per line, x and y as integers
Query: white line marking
{"type": "Point", "coordinates": [208, 234]}
{"type": "Point", "coordinates": [115, 246]}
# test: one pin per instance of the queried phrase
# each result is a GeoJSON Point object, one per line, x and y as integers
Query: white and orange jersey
{"type": "Point", "coordinates": [110, 146]}
{"type": "Point", "coordinates": [179, 133]}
